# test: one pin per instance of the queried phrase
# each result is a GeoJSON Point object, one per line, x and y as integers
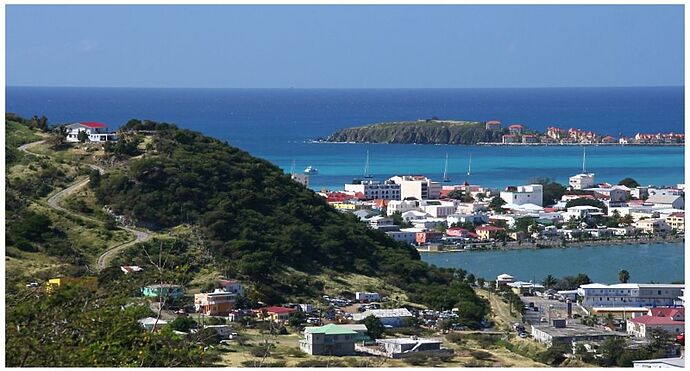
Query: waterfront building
{"type": "Point", "coordinates": [428, 223]}
{"type": "Point", "coordinates": [493, 125]}
{"type": "Point", "coordinates": [653, 226]}
{"type": "Point", "coordinates": [581, 181]}
{"type": "Point", "coordinates": [671, 320]}
{"type": "Point", "coordinates": [629, 294]}
{"type": "Point", "coordinates": [373, 189]}
{"type": "Point", "coordinates": [95, 132]}
{"type": "Point", "coordinates": [418, 187]}
{"type": "Point", "coordinates": [428, 237]}
{"type": "Point", "coordinates": [502, 280]}
{"type": "Point", "coordinates": [488, 232]}
{"type": "Point", "coordinates": [676, 221]}
{"type": "Point", "coordinates": [331, 339]}
{"type": "Point", "coordinates": [677, 362]}
{"type": "Point", "coordinates": [554, 133]}
{"type": "Point", "coordinates": [608, 139]}
{"type": "Point", "coordinates": [516, 129]}
{"type": "Point", "coordinates": [582, 212]}
{"type": "Point", "coordinates": [509, 138]}
{"type": "Point", "coordinates": [530, 138]}
{"type": "Point", "coordinates": [302, 179]}
{"type": "Point", "coordinates": [532, 194]}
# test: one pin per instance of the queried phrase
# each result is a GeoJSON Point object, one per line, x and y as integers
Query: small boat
{"type": "Point", "coordinates": [310, 170]}
{"type": "Point", "coordinates": [446, 179]}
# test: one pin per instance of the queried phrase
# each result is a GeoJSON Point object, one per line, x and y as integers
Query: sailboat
{"type": "Point", "coordinates": [584, 159]}
{"type": "Point", "coordinates": [446, 179]}
{"type": "Point", "coordinates": [469, 167]}
{"type": "Point", "coordinates": [366, 168]}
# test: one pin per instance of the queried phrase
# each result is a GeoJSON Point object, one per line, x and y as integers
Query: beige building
{"type": "Point", "coordinates": [652, 226]}
{"type": "Point", "coordinates": [417, 186]}
{"type": "Point", "coordinates": [676, 221]}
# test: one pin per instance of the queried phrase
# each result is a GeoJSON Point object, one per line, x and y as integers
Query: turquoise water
{"type": "Point", "coordinates": [650, 262]}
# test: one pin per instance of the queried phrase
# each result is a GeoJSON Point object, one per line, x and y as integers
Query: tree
{"type": "Point", "coordinates": [374, 327]}
{"type": "Point", "coordinates": [456, 194]}
{"type": "Point", "coordinates": [552, 191]}
{"type": "Point", "coordinates": [549, 281]}
{"type": "Point", "coordinates": [496, 204]}
{"type": "Point", "coordinates": [82, 136]}
{"type": "Point", "coordinates": [523, 224]}
{"type": "Point", "coordinates": [623, 276]}
{"type": "Point", "coordinates": [183, 324]}
{"type": "Point", "coordinates": [296, 319]}
{"type": "Point", "coordinates": [629, 182]}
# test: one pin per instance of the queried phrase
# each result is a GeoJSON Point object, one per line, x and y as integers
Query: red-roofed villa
{"type": "Point", "coordinates": [95, 132]}
{"type": "Point", "coordinates": [671, 320]}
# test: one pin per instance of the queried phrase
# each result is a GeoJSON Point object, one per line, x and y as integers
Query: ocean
{"type": "Point", "coordinates": [276, 124]}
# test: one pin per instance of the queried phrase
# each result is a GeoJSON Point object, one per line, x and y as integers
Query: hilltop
{"type": "Point", "coordinates": [432, 131]}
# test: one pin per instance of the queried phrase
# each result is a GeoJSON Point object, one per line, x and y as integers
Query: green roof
{"type": "Point", "coordinates": [330, 329]}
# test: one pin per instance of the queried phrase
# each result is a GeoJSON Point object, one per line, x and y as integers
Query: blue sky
{"type": "Point", "coordinates": [344, 46]}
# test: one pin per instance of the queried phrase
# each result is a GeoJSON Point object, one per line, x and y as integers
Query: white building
{"type": "Point", "coordinates": [95, 131]}
{"type": "Point", "coordinates": [417, 186]}
{"type": "Point", "coordinates": [613, 195]}
{"type": "Point", "coordinates": [582, 181]}
{"type": "Point", "coordinates": [629, 294]}
{"type": "Point", "coordinates": [653, 226]}
{"type": "Point", "coordinates": [671, 320]}
{"type": "Point", "coordinates": [389, 317]}
{"type": "Point", "coordinates": [581, 212]}
{"type": "Point", "coordinates": [677, 362]}
{"type": "Point", "coordinates": [372, 189]}
{"type": "Point", "coordinates": [367, 296]}
{"type": "Point", "coordinates": [464, 218]}
{"type": "Point", "coordinates": [666, 201]}
{"type": "Point", "coordinates": [437, 208]}
{"type": "Point", "coordinates": [527, 194]}
{"type": "Point", "coordinates": [302, 179]}
{"type": "Point", "coordinates": [401, 206]}
{"type": "Point", "coordinates": [403, 236]}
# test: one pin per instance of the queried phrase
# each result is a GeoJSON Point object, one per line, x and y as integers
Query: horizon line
{"type": "Point", "coordinates": [347, 88]}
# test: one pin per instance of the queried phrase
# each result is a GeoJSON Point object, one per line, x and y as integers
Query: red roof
{"type": "Point", "coordinates": [679, 214]}
{"type": "Point", "coordinates": [493, 122]}
{"type": "Point", "coordinates": [654, 320]}
{"type": "Point", "coordinates": [93, 124]}
{"type": "Point", "coordinates": [516, 126]}
{"type": "Point", "coordinates": [667, 312]}
{"type": "Point", "coordinates": [279, 310]}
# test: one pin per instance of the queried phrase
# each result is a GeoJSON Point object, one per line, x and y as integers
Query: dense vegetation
{"type": "Point", "coordinates": [420, 132]}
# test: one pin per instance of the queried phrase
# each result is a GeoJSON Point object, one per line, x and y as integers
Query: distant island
{"type": "Point", "coordinates": [439, 131]}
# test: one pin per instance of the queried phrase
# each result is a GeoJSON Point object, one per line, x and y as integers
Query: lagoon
{"type": "Point", "coordinates": [659, 262]}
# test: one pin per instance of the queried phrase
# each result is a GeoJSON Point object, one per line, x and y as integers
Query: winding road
{"type": "Point", "coordinates": [54, 203]}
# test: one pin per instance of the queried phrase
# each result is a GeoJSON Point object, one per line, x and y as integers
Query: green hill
{"type": "Point", "coordinates": [419, 132]}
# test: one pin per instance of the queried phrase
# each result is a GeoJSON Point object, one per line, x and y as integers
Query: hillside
{"type": "Point", "coordinates": [214, 209]}
{"type": "Point", "coordinates": [419, 132]}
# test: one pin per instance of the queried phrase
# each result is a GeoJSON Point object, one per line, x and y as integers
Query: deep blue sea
{"type": "Point", "coordinates": [275, 123]}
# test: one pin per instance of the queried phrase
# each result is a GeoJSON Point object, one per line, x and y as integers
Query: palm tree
{"type": "Point", "coordinates": [549, 281]}
{"type": "Point", "coordinates": [623, 276]}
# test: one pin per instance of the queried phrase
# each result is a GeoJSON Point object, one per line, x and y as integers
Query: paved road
{"type": "Point", "coordinates": [54, 202]}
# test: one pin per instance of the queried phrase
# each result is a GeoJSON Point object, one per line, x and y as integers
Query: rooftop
{"type": "Point", "coordinates": [575, 329]}
{"type": "Point", "coordinates": [330, 329]}
{"type": "Point", "coordinates": [671, 362]}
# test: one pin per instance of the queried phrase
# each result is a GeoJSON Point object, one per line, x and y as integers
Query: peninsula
{"type": "Point", "coordinates": [439, 131]}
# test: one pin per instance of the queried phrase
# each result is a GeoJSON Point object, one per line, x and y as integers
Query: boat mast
{"type": "Point", "coordinates": [445, 170]}
{"type": "Point", "coordinates": [469, 167]}
{"type": "Point", "coordinates": [366, 167]}
{"type": "Point", "coordinates": [584, 159]}
{"type": "Point", "coordinates": [292, 169]}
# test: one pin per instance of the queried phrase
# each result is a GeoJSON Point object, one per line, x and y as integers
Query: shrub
{"type": "Point", "coordinates": [455, 338]}
{"type": "Point", "coordinates": [481, 355]}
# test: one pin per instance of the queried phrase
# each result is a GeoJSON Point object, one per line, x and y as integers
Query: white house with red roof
{"type": "Point", "coordinates": [95, 131]}
{"type": "Point", "coordinates": [671, 320]}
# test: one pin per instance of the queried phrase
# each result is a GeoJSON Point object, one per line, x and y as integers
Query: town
{"type": "Point", "coordinates": [520, 134]}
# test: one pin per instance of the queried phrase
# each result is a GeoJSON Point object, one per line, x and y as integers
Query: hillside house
{"type": "Point", "coordinates": [95, 131]}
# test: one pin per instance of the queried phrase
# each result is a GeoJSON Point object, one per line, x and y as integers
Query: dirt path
{"type": "Point", "coordinates": [54, 202]}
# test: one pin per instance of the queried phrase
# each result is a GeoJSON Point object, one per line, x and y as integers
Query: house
{"type": "Point", "coordinates": [173, 292]}
{"type": "Point", "coordinates": [666, 201]}
{"type": "Point", "coordinates": [564, 331]}
{"type": "Point", "coordinates": [389, 317]}
{"type": "Point", "coordinates": [275, 314]}
{"type": "Point", "coordinates": [581, 181]}
{"type": "Point", "coordinates": [457, 232]}
{"type": "Point", "coordinates": [401, 206]}
{"type": "Point", "coordinates": [582, 212]}
{"type": "Point", "coordinates": [428, 236]}
{"type": "Point", "coordinates": [629, 294]}
{"type": "Point", "coordinates": [437, 208]}
{"type": "Point", "coordinates": [465, 218]}
{"type": "Point", "coordinates": [149, 322]}
{"type": "Point", "coordinates": [131, 269]}
{"type": "Point", "coordinates": [488, 232]}
{"type": "Point", "coordinates": [493, 125]}
{"type": "Point", "coordinates": [360, 329]}
{"type": "Point", "coordinates": [532, 194]}
{"type": "Point", "coordinates": [676, 221]}
{"type": "Point", "coordinates": [405, 347]}
{"type": "Point", "coordinates": [520, 287]}
{"type": "Point", "coordinates": [216, 303]}
{"type": "Point", "coordinates": [233, 286]}
{"type": "Point", "coordinates": [408, 216]}
{"type": "Point", "coordinates": [95, 132]}
{"type": "Point", "coordinates": [671, 320]}
{"type": "Point", "coordinates": [367, 296]}
{"type": "Point", "coordinates": [90, 283]}
{"type": "Point", "coordinates": [502, 280]}
{"type": "Point", "coordinates": [516, 129]}
{"type": "Point", "coordinates": [331, 339]}
{"type": "Point", "coordinates": [302, 179]}
{"type": "Point", "coordinates": [382, 223]}
{"type": "Point", "coordinates": [404, 235]}
{"type": "Point", "coordinates": [653, 226]}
